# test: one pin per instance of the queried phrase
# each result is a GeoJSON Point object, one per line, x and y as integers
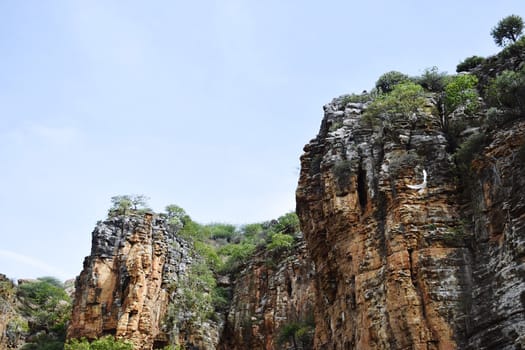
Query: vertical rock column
{"type": "Point", "coordinates": [122, 288]}
{"type": "Point", "coordinates": [392, 267]}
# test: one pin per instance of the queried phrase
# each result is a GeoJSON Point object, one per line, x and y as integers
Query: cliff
{"type": "Point", "coordinates": [439, 267]}
{"type": "Point", "coordinates": [273, 291]}
{"type": "Point", "coordinates": [11, 332]}
{"type": "Point", "coordinates": [129, 282]}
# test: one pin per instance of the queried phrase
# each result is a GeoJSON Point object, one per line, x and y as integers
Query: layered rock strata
{"type": "Point", "coordinates": [272, 291]}
{"type": "Point", "coordinates": [128, 282]}
{"type": "Point", "coordinates": [497, 316]}
{"type": "Point", "coordinates": [404, 268]}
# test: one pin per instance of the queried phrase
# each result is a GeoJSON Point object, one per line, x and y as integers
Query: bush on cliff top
{"type": "Point", "coordinates": [507, 90]}
{"type": "Point", "coordinates": [469, 63]}
{"type": "Point", "coordinates": [389, 80]}
{"type": "Point", "coordinates": [406, 99]}
{"type": "Point", "coordinates": [461, 92]}
{"type": "Point", "coordinates": [104, 343]}
{"type": "Point", "coordinates": [432, 79]}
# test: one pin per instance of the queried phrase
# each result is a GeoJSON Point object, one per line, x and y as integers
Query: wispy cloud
{"type": "Point", "coordinates": [36, 264]}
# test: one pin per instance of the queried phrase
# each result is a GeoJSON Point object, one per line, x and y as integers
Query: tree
{"type": "Point", "coordinates": [387, 81]}
{"type": "Point", "coordinates": [461, 91]}
{"type": "Point", "coordinates": [124, 203]}
{"type": "Point", "coordinates": [47, 307]}
{"type": "Point", "coordinates": [508, 30]}
{"type": "Point", "coordinates": [405, 99]}
{"type": "Point", "coordinates": [176, 216]}
{"type": "Point", "coordinates": [469, 63]}
{"type": "Point", "coordinates": [139, 201]}
{"type": "Point", "coordinates": [432, 79]}
{"type": "Point", "coordinates": [508, 90]}
{"type": "Point", "coordinates": [121, 204]}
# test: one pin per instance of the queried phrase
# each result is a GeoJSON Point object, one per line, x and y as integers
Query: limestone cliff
{"type": "Point", "coordinates": [273, 291]}
{"type": "Point", "coordinates": [129, 281]}
{"type": "Point", "coordinates": [402, 268]}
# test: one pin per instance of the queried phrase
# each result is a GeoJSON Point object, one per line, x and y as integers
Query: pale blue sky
{"type": "Point", "coordinates": [205, 104]}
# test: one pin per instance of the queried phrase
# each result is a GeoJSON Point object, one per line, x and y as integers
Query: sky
{"type": "Point", "coordinates": [204, 104]}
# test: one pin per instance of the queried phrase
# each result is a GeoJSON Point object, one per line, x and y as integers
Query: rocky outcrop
{"type": "Point", "coordinates": [13, 327]}
{"type": "Point", "coordinates": [129, 281]}
{"type": "Point", "coordinates": [272, 291]}
{"type": "Point", "coordinates": [497, 316]}
{"type": "Point", "coordinates": [402, 268]}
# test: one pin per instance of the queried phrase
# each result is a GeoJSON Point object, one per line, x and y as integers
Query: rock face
{"type": "Point", "coordinates": [127, 282]}
{"type": "Point", "coordinates": [401, 268]}
{"type": "Point", "coordinates": [272, 291]}
{"type": "Point", "coordinates": [498, 257]}
{"type": "Point", "coordinates": [12, 335]}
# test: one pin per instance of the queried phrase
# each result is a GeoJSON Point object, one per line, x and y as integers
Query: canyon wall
{"type": "Point", "coordinates": [404, 268]}
{"type": "Point", "coordinates": [275, 290]}
{"type": "Point", "coordinates": [128, 282]}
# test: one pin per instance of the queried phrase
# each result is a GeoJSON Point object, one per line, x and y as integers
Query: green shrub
{"type": "Point", "coordinates": [469, 63]}
{"type": "Point", "coordinates": [221, 298]}
{"type": "Point", "coordinates": [44, 341]}
{"type": "Point", "coordinates": [300, 334]}
{"type": "Point", "coordinates": [357, 98]}
{"type": "Point", "coordinates": [104, 343]}
{"type": "Point", "coordinates": [461, 91]}
{"type": "Point", "coordinates": [389, 80]}
{"type": "Point", "coordinates": [280, 242]}
{"type": "Point", "coordinates": [406, 99]}
{"type": "Point", "coordinates": [432, 80]}
{"type": "Point", "coordinates": [209, 254]}
{"type": "Point", "coordinates": [222, 231]}
{"type": "Point", "coordinates": [508, 90]}
{"type": "Point", "coordinates": [46, 303]}
{"type": "Point", "coordinates": [287, 223]}
{"type": "Point", "coordinates": [468, 150]}
{"type": "Point", "coordinates": [252, 230]}
{"type": "Point", "coordinates": [514, 50]}
{"type": "Point", "coordinates": [508, 30]}
{"type": "Point", "coordinates": [236, 255]}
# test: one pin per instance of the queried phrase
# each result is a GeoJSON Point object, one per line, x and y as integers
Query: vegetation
{"type": "Point", "coordinates": [299, 334]}
{"type": "Point", "coordinates": [432, 79]}
{"type": "Point", "coordinates": [124, 204]}
{"type": "Point", "coordinates": [219, 249]}
{"type": "Point", "coordinates": [406, 99]}
{"type": "Point", "coordinates": [514, 49]}
{"type": "Point", "coordinates": [104, 343]}
{"type": "Point", "coordinates": [508, 30]}
{"type": "Point", "coordinates": [359, 98]}
{"type": "Point", "coordinates": [46, 307]}
{"type": "Point", "coordinates": [195, 293]}
{"type": "Point", "coordinates": [469, 63]}
{"type": "Point", "coordinates": [507, 91]}
{"type": "Point", "coordinates": [280, 242]}
{"type": "Point", "coordinates": [468, 150]}
{"type": "Point", "coordinates": [389, 80]}
{"type": "Point", "coordinates": [461, 92]}
{"type": "Point", "coordinates": [46, 303]}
